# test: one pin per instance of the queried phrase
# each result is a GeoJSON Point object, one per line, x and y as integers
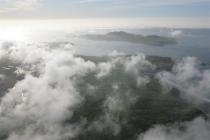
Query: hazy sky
{"type": "Point", "coordinates": [103, 8]}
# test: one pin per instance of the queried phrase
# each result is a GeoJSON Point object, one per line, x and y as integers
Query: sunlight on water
{"type": "Point", "coordinates": [46, 29]}
{"type": "Point", "coordinates": [13, 34]}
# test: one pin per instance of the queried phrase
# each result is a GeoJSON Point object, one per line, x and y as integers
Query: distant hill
{"type": "Point", "coordinates": [153, 40]}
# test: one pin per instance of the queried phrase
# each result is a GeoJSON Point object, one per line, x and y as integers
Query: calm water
{"type": "Point", "coordinates": [191, 42]}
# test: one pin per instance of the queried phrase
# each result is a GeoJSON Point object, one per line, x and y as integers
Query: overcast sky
{"type": "Point", "coordinates": [103, 8]}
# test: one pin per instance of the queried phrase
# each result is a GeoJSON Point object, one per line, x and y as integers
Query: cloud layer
{"type": "Point", "coordinates": [62, 95]}
{"type": "Point", "coordinates": [39, 104]}
{"type": "Point", "coordinates": [198, 129]}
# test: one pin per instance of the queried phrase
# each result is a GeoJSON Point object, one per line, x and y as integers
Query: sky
{"type": "Point", "coordinates": [103, 8]}
{"type": "Point", "coordinates": [119, 13]}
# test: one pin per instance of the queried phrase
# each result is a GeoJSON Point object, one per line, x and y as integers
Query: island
{"type": "Point", "coordinates": [151, 40]}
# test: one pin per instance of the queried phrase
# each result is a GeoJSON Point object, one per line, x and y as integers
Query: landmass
{"type": "Point", "coordinates": [152, 40]}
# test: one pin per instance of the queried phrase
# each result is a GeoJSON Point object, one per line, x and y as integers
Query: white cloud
{"type": "Point", "coordinates": [145, 2]}
{"type": "Point", "coordinates": [104, 69]}
{"type": "Point", "coordinates": [17, 5]}
{"type": "Point", "coordinates": [171, 2]}
{"type": "Point", "coordinates": [115, 53]}
{"type": "Point", "coordinates": [38, 105]}
{"type": "Point", "coordinates": [191, 80]}
{"type": "Point", "coordinates": [138, 64]}
{"type": "Point", "coordinates": [197, 129]}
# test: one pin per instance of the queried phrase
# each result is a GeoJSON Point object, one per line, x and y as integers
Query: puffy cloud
{"type": "Point", "coordinates": [37, 106]}
{"type": "Point", "coordinates": [105, 69]}
{"type": "Point", "coordinates": [197, 129]}
{"type": "Point", "coordinates": [187, 69]}
{"type": "Point", "coordinates": [191, 80]}
{"type": "Point", "coordinates": [138, 64]}
{"type": "Point", "coordinates": [135, 65]}
{"type": "Point", "coordinates": [62, 95]}
{"type": "Point", "coordinates": [126, 70]}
